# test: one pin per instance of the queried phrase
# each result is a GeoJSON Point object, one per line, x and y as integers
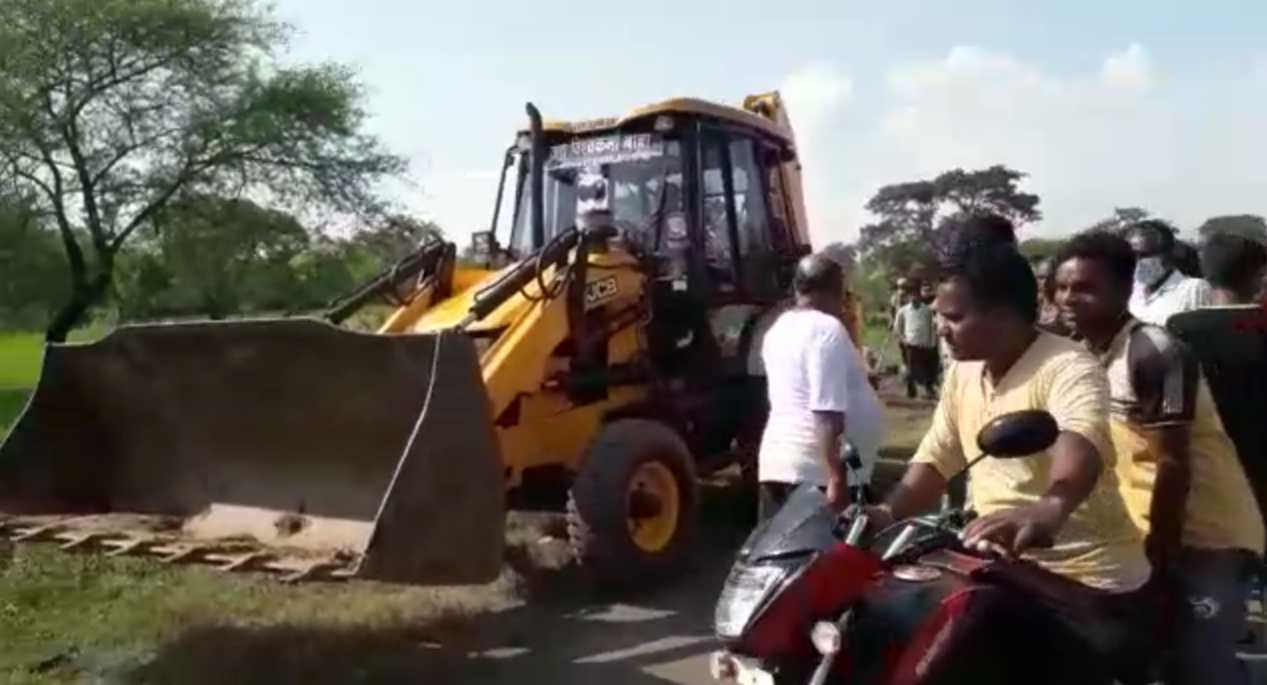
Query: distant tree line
{"type": "Point", "coordinates": [916, 219]}
{"type": "Point", "coordinates": [201, 257]}
{"type": "Point", "coordinates": [131, 136]}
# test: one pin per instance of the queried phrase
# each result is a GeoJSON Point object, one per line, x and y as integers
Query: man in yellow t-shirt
{"type": "Point", "coordinates": [1067, 495]}
{"type": "Point", "coordinates": [1179, 471]}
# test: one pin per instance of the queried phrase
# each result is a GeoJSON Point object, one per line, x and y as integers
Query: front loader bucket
{"type": "Point", "coordinates": [282, 445]}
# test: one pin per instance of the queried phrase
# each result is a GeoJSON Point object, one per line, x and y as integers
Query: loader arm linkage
{"type": "Point", "coordinates": [433, 259]}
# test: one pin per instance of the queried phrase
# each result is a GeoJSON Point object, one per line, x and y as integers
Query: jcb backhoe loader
{"type": "Point", "coordinates": [610, 347]}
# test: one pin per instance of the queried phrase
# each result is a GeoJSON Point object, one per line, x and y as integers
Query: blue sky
{"type": "Point", "coordinates": [1107, 103]}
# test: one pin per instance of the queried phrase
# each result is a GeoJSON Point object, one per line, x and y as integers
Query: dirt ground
{"type": "Point", "coordinates": [561, 634]}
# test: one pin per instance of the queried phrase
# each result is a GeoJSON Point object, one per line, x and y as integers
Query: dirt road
{"type": "Point", "coordinates": [660, 639]}
{"type": "Point", "coordinates": [655, 640]}
{"type": "Point", "coordinates": [562, 636]}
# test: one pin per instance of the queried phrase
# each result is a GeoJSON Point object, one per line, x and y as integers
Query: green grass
{"type": "Point", "coordinates": [19, 360]}
{"type": "Point", "coordinates": [20, 355]}
{"type": "Point", "coordinates": [19, 369]}
{"type": "Point", "coordinates": [11, 402]}
{"type": "Point", "coordinates": [72, 619]}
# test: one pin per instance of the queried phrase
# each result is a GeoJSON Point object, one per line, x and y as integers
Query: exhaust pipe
{"type": "Point", "coordinates": [537, 208]}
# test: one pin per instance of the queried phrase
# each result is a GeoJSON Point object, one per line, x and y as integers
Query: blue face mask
{"type": "Point", "coordinates": [1149, 270]}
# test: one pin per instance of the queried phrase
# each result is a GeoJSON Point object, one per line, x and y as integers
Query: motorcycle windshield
{"type": "Point", "coordinates": [804, 524]}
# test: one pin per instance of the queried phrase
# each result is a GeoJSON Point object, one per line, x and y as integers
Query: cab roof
{"type": "Point", "coordinates": [686, 106]}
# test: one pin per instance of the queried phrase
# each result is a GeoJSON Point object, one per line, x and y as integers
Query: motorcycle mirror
{"type": "Point", "coordinates": [850, 458]}
{"type": "Point", "coordinates": [1018, 434]}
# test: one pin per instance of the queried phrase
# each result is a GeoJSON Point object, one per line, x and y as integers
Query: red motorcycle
{"type": "Point", "coordinates": [810, 599]}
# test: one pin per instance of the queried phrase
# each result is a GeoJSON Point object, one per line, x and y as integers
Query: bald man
{"type": "Point", "coordinates": [818, 390]}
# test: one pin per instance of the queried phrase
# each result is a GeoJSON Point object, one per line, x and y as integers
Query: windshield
{"type": "Point", "coordinates": [637, 177]}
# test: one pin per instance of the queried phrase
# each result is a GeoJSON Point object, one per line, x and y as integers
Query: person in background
{"type": "Point", "coordinates": [1161, 290]}
{"type": "Point", "coordinates": [1059, 508]}
{"type": "Point", "coordinates": [916, 333]}
{"type": "Point", "coordinates": [928, 292]}
{"type": "Point", "coordinates": [1229, 339]}
{"type": "Point", "coordinates": [1179, 474]}
{"type": "Point", "coordinates": [1188, 260]}
{"type": "Point", "coordinates": [898, 298]}
{"type": "Point", "coordinates": [819, 394]}
{"type": "Point", "coordinates": [1048, 314]}
{"type": "Point", "coordinates": [986, 228]}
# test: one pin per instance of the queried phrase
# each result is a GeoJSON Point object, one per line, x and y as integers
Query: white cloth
{"type": "Point", "coordinates": [1178, 293]}
{"type": "Point", "coordinates": [914, 325]}
{"type": "Point", "coordinates": [811, 365]}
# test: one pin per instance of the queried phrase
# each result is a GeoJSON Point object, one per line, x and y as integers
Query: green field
{"type": "Point", "coordinates": [20, 355]}
{"type": "Point", "coordinates": [19, 368]}
{"type": "Point", "coordinates": [74, 619]}
{"type": "Point", "coordinates": [19, 359]}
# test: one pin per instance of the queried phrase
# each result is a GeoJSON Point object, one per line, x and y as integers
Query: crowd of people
{"type": "Point", "coordinates": [1155, 369]}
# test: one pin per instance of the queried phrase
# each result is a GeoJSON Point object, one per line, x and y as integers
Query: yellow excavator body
{"type": "Point", "coordinates": [609, 350]}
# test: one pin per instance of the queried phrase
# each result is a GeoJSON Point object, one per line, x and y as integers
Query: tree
{"type": "Point", "coordinates": [1040, 248]}
{"type": "Point", "coordinates": [30, 280]}
{"type": "Point", "coordinates": [225, 256]}
{"type": "Point", "coordinates": [843, 254]}
{"type": "Point", "coordinates": [1249, 226]}
{"type": "Point", "coordinates": [916, 218]}
{"type": "Point", "coordinates": [327, 270]}
{"type": "Point", "coordinates": [395, 237]}
{"type": "Point", "coordinates": [111, 109]}
{"type": "Point", "coordinates": [142, 287]}
{"type": "Point", "coordinates": [1121, 219]}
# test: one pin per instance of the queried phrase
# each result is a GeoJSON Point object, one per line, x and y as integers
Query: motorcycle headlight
{"type": "Point", "coordinates": [743, 595]}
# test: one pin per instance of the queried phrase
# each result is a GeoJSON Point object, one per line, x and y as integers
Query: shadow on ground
{"type": "Point", "coordinates": [564, 634]}
{"type": "Point", "coordinates": [596, 646]}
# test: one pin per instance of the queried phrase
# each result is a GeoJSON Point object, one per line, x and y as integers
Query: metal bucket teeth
{"type": "Point", "coordinates": [229, 556]}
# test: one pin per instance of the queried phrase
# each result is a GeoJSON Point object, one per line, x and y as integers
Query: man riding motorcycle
{"type": "Point", "coordinates": [1061, 509]}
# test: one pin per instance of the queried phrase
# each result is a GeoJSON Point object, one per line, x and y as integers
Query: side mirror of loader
{"type": "Point", "coordinates": [484, 247]}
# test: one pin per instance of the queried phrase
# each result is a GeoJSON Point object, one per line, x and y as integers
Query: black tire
{"type": "Point", "coordinates": [598, 504]}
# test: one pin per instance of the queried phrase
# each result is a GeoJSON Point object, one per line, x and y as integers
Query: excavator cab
{"type": "Point", "coordinates": [670, 181]}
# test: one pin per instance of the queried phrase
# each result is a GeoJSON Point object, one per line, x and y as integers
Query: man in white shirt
{"type": "Point", "coordinates": [917, 334]}
{"type": "Point", "coordinates": [819, 393]}
{"type": "Point", "coordinates": [1161, 290]}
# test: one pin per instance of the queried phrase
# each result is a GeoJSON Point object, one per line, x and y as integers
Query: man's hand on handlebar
{"type": "Point", "coordinates": [1012, 531]}
{"type": "Point", "coordinates": [879, 516]}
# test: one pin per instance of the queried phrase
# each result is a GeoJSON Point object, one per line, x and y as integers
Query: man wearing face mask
{"type": "Point", "coordinates": [1161, 290]}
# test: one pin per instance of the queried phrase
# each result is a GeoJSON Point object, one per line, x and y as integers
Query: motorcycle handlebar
{"type": "Point", "coordinates": [945, 527]}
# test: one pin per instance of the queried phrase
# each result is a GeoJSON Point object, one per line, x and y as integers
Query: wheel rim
{"type": "Point", "coordinates": [653, 507]}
